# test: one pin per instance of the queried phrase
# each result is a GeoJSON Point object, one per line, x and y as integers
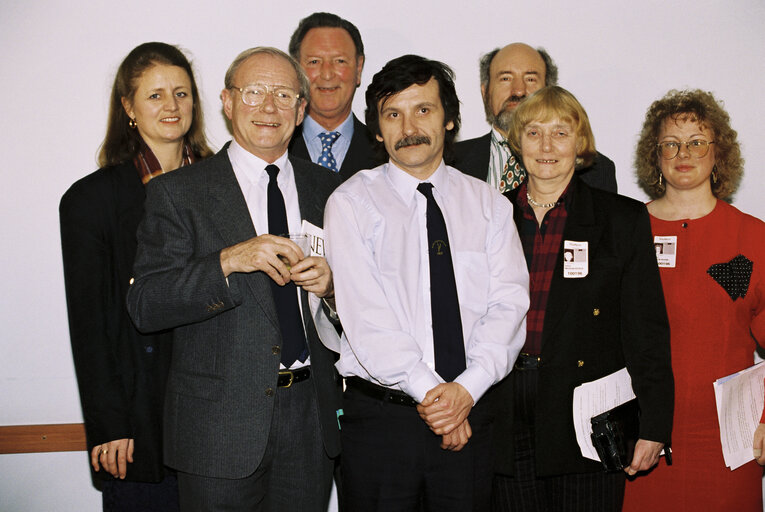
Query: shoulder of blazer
{"type": "Point", "coordinates": [116, 186]}
{"type": "Point", "coordinates": [297, 145]}
{"type": "Point", "coordinates": [314, 185]}
{"type": "Point", "coordinates": [471, 156]}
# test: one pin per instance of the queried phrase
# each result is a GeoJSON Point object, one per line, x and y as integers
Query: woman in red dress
{"type": "Point", "coordinates": [712, 270]}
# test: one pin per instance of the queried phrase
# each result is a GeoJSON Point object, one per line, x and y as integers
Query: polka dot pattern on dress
{"type": "Point", "coordinates": [327, 159]}
{"type": "Point", "coordinates": [733, 276]}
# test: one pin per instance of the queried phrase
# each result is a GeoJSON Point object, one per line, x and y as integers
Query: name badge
{"type": "Point", "coordinates": [575, 259]}
{"type": "Point", "coordinates": [666, 250]}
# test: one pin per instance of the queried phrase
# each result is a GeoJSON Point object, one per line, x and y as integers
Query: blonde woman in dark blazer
{"type": "Point", "coordinates": [588, 318]}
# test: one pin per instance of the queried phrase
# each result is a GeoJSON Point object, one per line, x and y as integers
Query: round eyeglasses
{"type": "Point", "coordinates": [255, 94]}
{"type": "Point", "coordinates": [697, 148]}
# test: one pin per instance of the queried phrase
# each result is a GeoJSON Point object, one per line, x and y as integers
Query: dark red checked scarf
{"type": "Point", "coordinates": [149, 167]}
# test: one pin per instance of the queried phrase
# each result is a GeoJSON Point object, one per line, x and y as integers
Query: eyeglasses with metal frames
{"type": "Point", "coordinates": [255, 94]}
{"type": "Point", "coordinates": [697, 148]}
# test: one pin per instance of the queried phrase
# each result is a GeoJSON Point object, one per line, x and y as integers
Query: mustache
{"type": "Point", "coordinates": [412, 140]}
{"type": "Point", "coordinates": [513, 99]}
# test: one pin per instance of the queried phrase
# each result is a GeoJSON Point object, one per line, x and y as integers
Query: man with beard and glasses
{"type": "Point", "coordinates": [508, 76]}
{"type": "Point", "coordinates": [432, 290]}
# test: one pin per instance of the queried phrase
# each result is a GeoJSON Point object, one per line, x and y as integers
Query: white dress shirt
{"type": "Point", "coordinates": [377, 247]}
{"type": "Point", "coordinates": [253, 179]}
{"type": "Point", "coordinates": [498, 155]}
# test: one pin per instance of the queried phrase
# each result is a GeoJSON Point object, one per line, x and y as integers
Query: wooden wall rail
{"type": "Point", "coordinates": [63, 437]}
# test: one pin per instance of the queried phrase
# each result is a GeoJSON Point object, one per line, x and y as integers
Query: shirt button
{"type": "Point", "coordinates": [269, 392]}
{"type": "Point", "coordinates": [684, 224]}
{"type": "Point", "coordinates": [579, 363]}
{"type": "Point", "coordinates": [132, 280]}
{"type": "Point", "coordinates": [595, 312]}
{"type": "Point", "coordinates": [149, 349]}
{"type": "Point", "coordinates": [275, 350]}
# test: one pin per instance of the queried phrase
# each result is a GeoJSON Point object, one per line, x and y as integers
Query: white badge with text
{"type": "Point", "coordinates": [316, 234]}
{"type": "Point", "coordinates": [575, 259]}
{"type": "Point", "coordinates": [666, 250]}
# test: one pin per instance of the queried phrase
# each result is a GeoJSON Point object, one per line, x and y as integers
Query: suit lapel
{"type": "Point", "coordinates": [581, 226]}
{"type": "Point", "coordinates": [231, 218]}
{"type": "Point", "coordinates": [305, 182]}
{"type": "Point", "coordinates": [297, 144]}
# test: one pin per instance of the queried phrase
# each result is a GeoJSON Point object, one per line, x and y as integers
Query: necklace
{"type": "Point", "coordinates": [539, 205]}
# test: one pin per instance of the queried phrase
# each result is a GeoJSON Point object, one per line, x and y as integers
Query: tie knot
{"type": "Point", "coordinates": [327, 139]}
{"type": "Point", "coordinates": [273, 171]}
{"type": "Point", "coordinates": [426, 189]}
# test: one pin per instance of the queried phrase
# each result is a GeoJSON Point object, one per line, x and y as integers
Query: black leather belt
{"type": "Point", "coordinates": [527, 361]}
{"type": "Point", "coordinates": [379, 392]}
{"type": "Point", "coordinates": [290, 377]}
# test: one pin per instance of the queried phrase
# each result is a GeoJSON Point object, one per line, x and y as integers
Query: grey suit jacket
{"type": "Point", "coordinates": [227, 339]}
{"type": "Point", "coordinates": [472, 157]}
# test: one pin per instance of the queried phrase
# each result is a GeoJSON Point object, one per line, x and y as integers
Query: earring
{"type": "Point", "coordinates": [132, 123]}
{"type": "Point", "coordinates": [714, 174]}
{"type": "Point", "coordinates": [660, 176]}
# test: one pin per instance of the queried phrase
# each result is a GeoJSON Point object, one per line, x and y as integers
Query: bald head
{"type": "Point", "coordinates": [508, 76]}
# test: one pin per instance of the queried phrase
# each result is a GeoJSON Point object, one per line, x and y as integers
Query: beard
{"type": "Point", "coordinates": [502, 119]}
{"type": "Point", "coordinates": [412, 140]}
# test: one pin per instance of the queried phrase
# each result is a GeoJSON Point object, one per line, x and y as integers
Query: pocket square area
{"type": "Point", "coordinates": [733, 276]}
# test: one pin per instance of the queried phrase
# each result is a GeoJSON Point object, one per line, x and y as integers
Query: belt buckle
{"type": "Point", "coordinates": [292, 377]}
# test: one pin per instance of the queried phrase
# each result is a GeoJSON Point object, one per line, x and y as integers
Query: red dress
{"type": "Point", "coordinates": [710, 339]}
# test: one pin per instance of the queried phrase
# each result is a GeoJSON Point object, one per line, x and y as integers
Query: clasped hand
{"type": "Point", "coordinates": [445, 410]}
{"type": "Point", "coordinates": [282, 260]}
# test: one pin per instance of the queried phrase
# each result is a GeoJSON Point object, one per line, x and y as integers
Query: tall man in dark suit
{"type": "Point", "coordinates": [252, 392]}
{"type": "Point", "coordinates": [508, 75]}
{"type": "Point", "coordinates": [331, 53]}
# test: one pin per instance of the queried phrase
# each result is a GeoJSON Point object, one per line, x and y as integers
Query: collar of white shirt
{"type": "Point", "coordinates": [405, 184]}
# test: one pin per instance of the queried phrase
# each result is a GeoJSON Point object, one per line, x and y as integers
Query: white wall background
{"type": "Point", "coordinates": [59, 58]}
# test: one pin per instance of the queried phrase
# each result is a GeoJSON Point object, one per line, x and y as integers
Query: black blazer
{"type": "Point", "coordinates": [226, 340]}
{"type": "Point", "coordinates": [472, 157]}
{"type": "Point", "coordinates": [596, 325]}
{"type": "Point", "coordinates": [121, 373]}
{"type": "Point", "coordinates": [361, 153]}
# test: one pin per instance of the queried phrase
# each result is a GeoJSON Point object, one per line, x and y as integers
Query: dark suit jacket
{"type": "Point", "coordinates": [361, 153]}
{"type": "Point", "coordinates": [594, 326]}
{"type": "Point", "coordinates": [121, 374]}
{"type": "Point", "coordinates": [472, 157]}
{"type": "Point", "coordinates": [227, 339]}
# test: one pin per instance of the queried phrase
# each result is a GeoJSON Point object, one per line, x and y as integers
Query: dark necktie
{"type": "Point", "coordinates": [327, 159]}
{"type": "Point", "coordinates": [448, 345]}
{"type": "Point", "coordinates": [285, 297]}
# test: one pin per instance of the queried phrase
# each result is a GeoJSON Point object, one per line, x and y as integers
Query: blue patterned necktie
{"type": "Point", "coordinates": [327, 159]}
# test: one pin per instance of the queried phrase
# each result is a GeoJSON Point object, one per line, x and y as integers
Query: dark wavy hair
{"type": "Point", "coordinates": [121, 142]}
{"type": "Point", "coordinates": [700, 107]}
{"type": "Point", "coordinates": [324, 20]}
{"type": "Point", "coordinates": [403, 72]}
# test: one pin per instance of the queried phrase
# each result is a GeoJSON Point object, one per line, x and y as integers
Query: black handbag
{"type": "Point", "coordinates": [614, 434]}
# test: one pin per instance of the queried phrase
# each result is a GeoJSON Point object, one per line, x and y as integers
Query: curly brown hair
{"type": "Point", "coordinates": [700, 107]}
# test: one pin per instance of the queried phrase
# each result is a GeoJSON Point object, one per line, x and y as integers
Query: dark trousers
{"type": "Point", "coordinates": [295, 473]}
{"type": "Point", "coordinates": [391, 461]}
{"type": "Point", "coordinates": [125, 496]}
{"type": "Point", "coordinates": [585, 492]}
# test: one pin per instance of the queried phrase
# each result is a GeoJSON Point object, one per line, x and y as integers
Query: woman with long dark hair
{"type": "Point", "coordinates": [155, 125]}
